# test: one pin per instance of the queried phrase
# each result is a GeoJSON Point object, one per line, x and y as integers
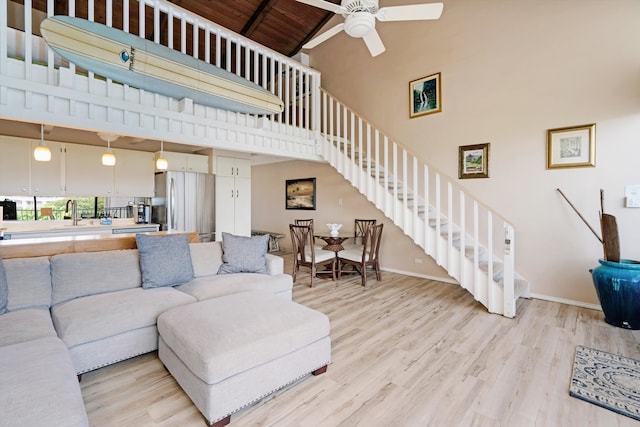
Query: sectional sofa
{"type": "Point", "coordinates": [71, 313]}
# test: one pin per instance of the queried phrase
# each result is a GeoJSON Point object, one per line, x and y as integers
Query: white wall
{"type": "Point", "coordinates": [510, 71]}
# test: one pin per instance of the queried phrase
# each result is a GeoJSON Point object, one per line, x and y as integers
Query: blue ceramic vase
{"type": "Point", "coordinates": [618, 288]}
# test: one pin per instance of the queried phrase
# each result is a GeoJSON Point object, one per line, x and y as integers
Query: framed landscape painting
{"type": "Point", "coordinates": [425, 96]}
{"type": "Point", "coordinates": [571, 147]}
{"type": "Point", "coordinates": [473, 161]}
{"type": "Point", "coordinates": [301, 193]}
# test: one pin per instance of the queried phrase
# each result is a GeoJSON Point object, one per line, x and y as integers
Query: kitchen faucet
{"type": "Point", "coordinates": [74, 211]}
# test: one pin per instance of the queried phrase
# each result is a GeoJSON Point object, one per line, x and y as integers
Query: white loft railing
{"type": "Point", "coordinates": [164, 23]}
{"type": "Point", "coordinates": [472, 242]}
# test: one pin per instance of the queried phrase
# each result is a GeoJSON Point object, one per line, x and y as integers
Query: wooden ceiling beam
{"type": "Point", "coordinates": [257, 17]}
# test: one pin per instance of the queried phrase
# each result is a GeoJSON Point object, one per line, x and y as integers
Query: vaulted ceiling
{"type": "Point", "coordinates": [281, 25]}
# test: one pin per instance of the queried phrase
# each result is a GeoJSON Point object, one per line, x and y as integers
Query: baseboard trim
{"type": "Point", "coordinates": [533, 295]}
{"type": "Point", "coordinates": [536, 296]}
{"type": "Point", "coordinates": [567, 301]}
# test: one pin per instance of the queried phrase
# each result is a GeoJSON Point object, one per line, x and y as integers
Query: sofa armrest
{"type": "Point", "coordinates": [275, 264]}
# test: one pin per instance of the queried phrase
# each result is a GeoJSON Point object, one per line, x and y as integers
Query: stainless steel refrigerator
{"type": "Point", "coordinates": [185, 201]}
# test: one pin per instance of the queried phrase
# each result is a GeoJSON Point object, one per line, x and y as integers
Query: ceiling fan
{"type": "Point", "coordinates": [360, 19]}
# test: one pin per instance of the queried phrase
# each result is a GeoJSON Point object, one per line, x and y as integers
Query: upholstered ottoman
{"type": "Point", "coordinates": [229, 352]}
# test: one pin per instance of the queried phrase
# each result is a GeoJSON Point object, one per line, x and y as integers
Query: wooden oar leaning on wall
{"type": "Point", "coordinates": [610, 239]}
{"type": "Point", "coordinates": [610, 236]}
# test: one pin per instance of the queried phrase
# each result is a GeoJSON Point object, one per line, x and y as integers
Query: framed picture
{"type": "Point", "coordinates": [301, 193]}
{"type": "Point", "coordinates": [473, 161]}
{"type": "Point", "coordinates": [424, 96]}
{"type": "Point", "coordinates": [571, 147]}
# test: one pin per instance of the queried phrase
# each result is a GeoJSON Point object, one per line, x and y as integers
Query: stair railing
{"type": "Point", "coordinates": [471, 241]}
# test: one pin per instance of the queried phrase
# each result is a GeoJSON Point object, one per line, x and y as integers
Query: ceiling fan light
{"type": "Point", "coordinates": [359, 24]}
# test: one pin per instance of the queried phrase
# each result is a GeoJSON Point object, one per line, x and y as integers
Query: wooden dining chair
{"type": "Point", "coordinates": [359, 230]}
{"type": "Point", "coordinates": [308, 222]}
{"type": "Point", "coordinates": [360, 259]}
{"type": "Point", "coordinates": [303, 222]}
{"type": "Point", "coordinates": [306, 254]}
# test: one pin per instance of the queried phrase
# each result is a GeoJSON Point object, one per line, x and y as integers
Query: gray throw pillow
{"type": "Point", "coordinates": [164, 260]}
{"type": "Point", "coordinates": [4, 289]}
{"type": "Point", "coordinates": [243, 254]}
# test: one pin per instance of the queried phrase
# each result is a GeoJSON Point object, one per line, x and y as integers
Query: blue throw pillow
{"type": "Point", "coordinates": [4, 289]}
{"type": "Point", "coordinates": [164, 260]}
{"type": "Point", "coordinates": [243, 254]}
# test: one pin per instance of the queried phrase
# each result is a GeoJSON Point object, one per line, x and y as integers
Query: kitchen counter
{"type": "Point", "coordinates": [49, 246]}
{"type": "Point", "coordinates": [12, 230]}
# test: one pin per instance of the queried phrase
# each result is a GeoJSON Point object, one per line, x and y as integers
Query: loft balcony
{"type": "Point", "coordinates": [38, 86]}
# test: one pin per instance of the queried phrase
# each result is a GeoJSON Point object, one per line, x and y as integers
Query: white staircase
{"type": "Point", "coordinates": [474, 244]}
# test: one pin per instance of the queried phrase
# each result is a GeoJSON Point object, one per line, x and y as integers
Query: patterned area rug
{"type": "Point", "coordinates": [607, 380]}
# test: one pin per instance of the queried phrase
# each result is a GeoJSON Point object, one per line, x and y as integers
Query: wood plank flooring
{"type": "Point", "coordinates": [406, 352]}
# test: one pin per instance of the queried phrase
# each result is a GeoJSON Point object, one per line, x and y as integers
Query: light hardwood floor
{"type": "Point", "coordinates": [406, 352]}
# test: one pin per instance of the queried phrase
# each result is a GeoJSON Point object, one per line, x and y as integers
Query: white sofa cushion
{"type": "Point", "coordinates": [104, 315]}
{"type": "Point", "coordinates": [25, 325]}
{"type": "Point", "coordinates": [207, 287]}
{"type": "Point", "coordinates": [39, 386]}
{"type": "Point", "coordinates": [206, 258]}
{"type": "Point", "coordinates": [29, 281]}
{"type": "Point", "coordinates": [87, 273]}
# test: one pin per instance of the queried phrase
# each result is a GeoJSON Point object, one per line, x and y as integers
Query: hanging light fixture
{"type": "Point", "coordinates": [108, 158]}
{"type": "Point", "coordinates": [161, 163]}
{"type": "Point", "coordinates": [42, 153]}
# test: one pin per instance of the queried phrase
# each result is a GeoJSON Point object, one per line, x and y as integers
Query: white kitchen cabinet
{"type": "Point", "coordinates": [133, 173]}
{"type": "Point", "coordinates": [233, 196]}
{"type": "Point", "coordinates": [21, 174]}
{"type": "Point", "coordinates": [47, 177]}
{"type": "Point", "coordinates": [14, 173]}
{"type": "Point", "coordinates": [231, 166]}
{"type": "Point", "coordinates": [85, 175]}
{"type": "Point", "coordinates": [184, 162]}
{"type": "Point", "coordinates": [197, 163]}
{"type": "Point", "coordinates": [74, 170]}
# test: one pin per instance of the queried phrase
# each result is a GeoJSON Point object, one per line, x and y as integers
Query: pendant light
{"type": "Point", "coordinates": [161, 163]}
{"type": "Point", "coordinates": [108, 158]}
{"type": "Point", "coordinates": [42, 153]}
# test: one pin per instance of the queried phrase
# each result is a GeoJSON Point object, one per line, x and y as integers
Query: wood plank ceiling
{"type": "Point", "coordinates": [281, 25]}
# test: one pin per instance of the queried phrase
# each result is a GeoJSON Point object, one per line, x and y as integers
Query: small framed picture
{"type": "Point", "coordinates": [571, 147]}
{"type": "Point", "coordinates": [425, 96]}
{"type": "Point", "coordinates": [301, 193]}
{"type": "Point", "coordinates": [473, 161]}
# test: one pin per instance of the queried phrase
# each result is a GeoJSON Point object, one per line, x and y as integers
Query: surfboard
{"type": "Point", "coordinates": [132, 60]}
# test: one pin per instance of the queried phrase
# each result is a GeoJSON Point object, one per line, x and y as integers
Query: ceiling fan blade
{"type": "Point", "coordinates": [413, 12]}
{"type": "Point", "coordinates": [323, 37]}
{"type": "Point", "coordinates": [331, 7]}
{"type": "Point", "coordinates": [373, 42]}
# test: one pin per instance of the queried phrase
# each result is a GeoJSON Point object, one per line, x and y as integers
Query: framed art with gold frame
{"type": "Point", "coordinates": [473, 161]}
{"type": "Point", "coordinates": [425, 96]}
{"type": "Point", "coordinates": [571, 147]}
